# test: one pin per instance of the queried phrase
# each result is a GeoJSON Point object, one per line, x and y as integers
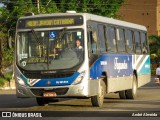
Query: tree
{"type": "Point", "coordinates": [1, 57]}
{"type": "Point", "coordinates": [154, 44]}
{"type": "Point", "coordinates": [2, 35]}
{"type": "Point", "coordinates": [99, 7]}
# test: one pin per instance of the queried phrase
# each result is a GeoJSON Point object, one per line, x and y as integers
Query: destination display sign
{"type": "Point", "coordinates": [56, 21]}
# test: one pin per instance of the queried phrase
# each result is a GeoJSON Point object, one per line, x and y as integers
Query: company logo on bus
{"type": "Point", "coordinates": [48, 83]}
{"type": "Point", "coordinates": [120, 66]}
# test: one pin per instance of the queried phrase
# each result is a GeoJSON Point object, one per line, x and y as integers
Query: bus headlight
{"type": "Point", "coordinates": [20, 81]}
{"type": "Point", "coordinates": [79, 78]}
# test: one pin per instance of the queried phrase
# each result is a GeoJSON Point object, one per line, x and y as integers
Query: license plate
{"type": "Point", "coordinates": [49, 94]}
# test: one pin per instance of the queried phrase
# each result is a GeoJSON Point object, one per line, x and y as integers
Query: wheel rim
{"type": "Point", "coordinates": [134, 87]}
{"type": "Point", "coordinates": [101, 95]}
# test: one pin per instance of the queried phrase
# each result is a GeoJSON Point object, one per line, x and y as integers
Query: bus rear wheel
{"type": "Point", "coordinates": [42, 101]}
{"type": "Point", "coordinates": [97, 100]}
{"type": "Point", "coordinates": [132, 93]}
{"type": "Point", "coordinates": [122, 94]}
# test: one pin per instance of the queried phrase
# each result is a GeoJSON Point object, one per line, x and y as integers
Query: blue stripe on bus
{"type": "Point", "coordinates": [56, 81]}
{"type": "Point", "coordinates": [116, 66]}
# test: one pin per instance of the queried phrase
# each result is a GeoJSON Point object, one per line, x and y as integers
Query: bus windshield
{"type": "Point", "coordinates": [50, 50]}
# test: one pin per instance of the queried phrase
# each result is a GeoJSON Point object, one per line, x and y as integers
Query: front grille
{"type": "Point", "coordinates": [58, 91]}
{"type": "Point", "coordinates": [38, 75]}
{"type": "Point", "coordinates": [46, 74]}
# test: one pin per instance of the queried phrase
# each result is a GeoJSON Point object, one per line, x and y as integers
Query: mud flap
{"type": "Point", "coordinates": [94, 87]}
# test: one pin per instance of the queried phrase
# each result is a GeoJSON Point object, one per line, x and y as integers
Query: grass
{"type": "Point", "coordinates": [2, 81]}
{"type": "Point", "coordinates": [7, 77]}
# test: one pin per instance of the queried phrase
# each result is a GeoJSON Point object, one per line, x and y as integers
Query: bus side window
{"type": "Point", "coordinates": [137, 42]}
{"type": "Point", "coordinates": [129, 41]}
{"type": "Point", "coordinates": [144, 43]}
{"type": "Point", "coordinates": [111, 39]}
{"type": "Point", "coordinates": [120, 40]}
{"type": "Point", "coordinates": [101, 35]}
{"type": "Point", "coordinates": [89, 35]}
{"type": "Point", "coordinates": [94, 42]}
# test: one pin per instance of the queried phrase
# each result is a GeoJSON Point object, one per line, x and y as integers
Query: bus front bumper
{"type": "Point", "coordinates": [80, 90]}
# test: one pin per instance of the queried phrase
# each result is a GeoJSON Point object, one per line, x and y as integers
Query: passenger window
{"type": "Point", "coordinates": [94, 39]}
{"type": "Point", "coordinates": [101, 36]}
{"type": "Point", "coordinates": [137, 42]}
{"type": "Point", "coordinates": [120, 40]}
{"type": "Point", "coordinates": [94, 42]}
{"type": "Point", "coordinates": [144, 43]}
{"type": "Point", "coordinates": [129, 41]}
{"type": "Point", "coordinates": [111, 39]}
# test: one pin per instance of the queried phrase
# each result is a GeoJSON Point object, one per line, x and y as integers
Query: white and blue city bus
{"type": "Point", "coordinates": [114, 57]}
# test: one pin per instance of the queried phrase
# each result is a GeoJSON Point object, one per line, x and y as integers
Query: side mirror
{"type": "Point", "coordinates": [9, 42]}
{"type": "Point", "coordinates": [10, 38]}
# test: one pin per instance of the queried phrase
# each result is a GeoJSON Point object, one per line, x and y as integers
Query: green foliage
{"type": "Point", "coordinates": [48, 7]}
{"type": "Point", "coordinates": [7, 77]}
{"type": "Point", "coordinates": [153, 72]}
{"type": "Point", "coordinates": [8, 57]}
{"type": "Point", "coordinates": [154, 44]}
{"type": "Point", "coordinates": [99, 7]}
{"type": "Point", "coordinates": [2, 80]}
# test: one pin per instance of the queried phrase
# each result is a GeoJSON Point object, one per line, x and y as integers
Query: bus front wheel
{"type": "Point", "coordinates": [97, 100]}
{"type": "Point", "coordinates": [42, 101]}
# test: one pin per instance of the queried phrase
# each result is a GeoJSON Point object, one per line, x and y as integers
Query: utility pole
{"type": "Point", "coordinates": [38, 6]}
{"type": "Point", "coordinates": [1, 57]}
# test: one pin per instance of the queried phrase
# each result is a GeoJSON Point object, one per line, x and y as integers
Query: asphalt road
{"type": "Point", "coordinates": [148, 99]}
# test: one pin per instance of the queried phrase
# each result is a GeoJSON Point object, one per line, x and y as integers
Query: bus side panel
{"type": "Point", "coordinates": [143, 79]}
{"type": "Point", "coordinates": [144, 71]}
{"type": "Point", "coordinates": [119, 84]}
{"type": "Point", "coordinates": [141, 64]}
{"type": "Point", "coordinates": [121, 72]}
{"type": "Point", "coordinates": [118, 68]}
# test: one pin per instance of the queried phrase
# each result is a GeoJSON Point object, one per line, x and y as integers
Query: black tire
{"type": "Point", "coordinates": [42, 101]}
{"type": "Point", "coordinates": [97, 101]}
{"type": "Point", "coordinates": [132, 93]}
{"type": "Point", "coordinates": [122, 94]}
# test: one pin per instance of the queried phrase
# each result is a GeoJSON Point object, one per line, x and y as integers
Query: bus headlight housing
{"type": "Point", "coordinates": [79, 78]}
{"type": "Point", "coordinates": [20, 81]}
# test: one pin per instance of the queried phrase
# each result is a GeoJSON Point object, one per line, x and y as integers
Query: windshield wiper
{"type": "Point", "coordinates": [35, 35]}
{"type": "Point", "coordinates": [62, 32]}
